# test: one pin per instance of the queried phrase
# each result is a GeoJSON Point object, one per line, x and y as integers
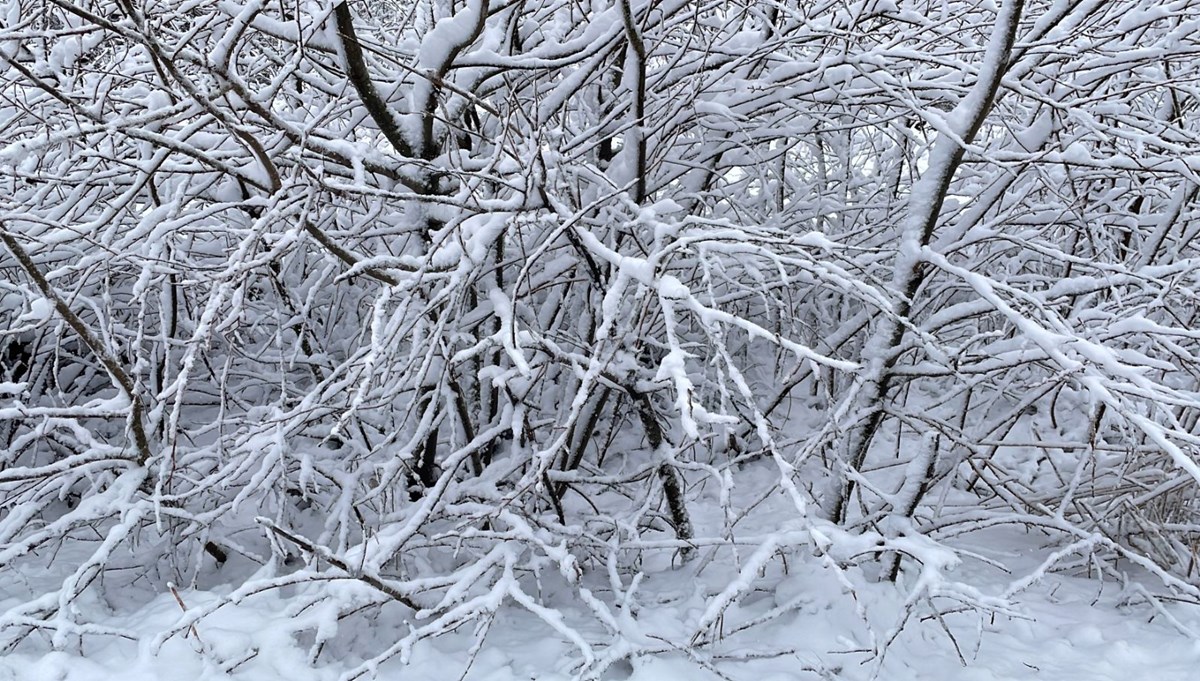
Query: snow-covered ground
{"type": "Point", "coordinates": [1069, 629]}
{"type": "Point", "coordinates": [1061, 627]}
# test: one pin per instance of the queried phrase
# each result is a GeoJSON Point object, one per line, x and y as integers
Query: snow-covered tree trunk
{"type": "Point", "coordinates": [956, 130]}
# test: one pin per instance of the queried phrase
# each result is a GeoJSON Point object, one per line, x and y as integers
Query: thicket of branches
{"type": "Point", "coordinates": [442, 297]}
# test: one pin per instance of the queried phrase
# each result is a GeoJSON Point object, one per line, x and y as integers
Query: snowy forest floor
{"type": "Point", "coordinates": [1062, 627]}
{"type": "Point", "coordinates": [1070, 629]}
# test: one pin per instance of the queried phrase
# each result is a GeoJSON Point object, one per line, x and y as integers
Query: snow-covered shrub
{"type": "Point", "coordinates": [417, 312]}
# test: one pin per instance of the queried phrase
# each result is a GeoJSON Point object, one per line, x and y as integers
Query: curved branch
{"type": "Point", "coordinates": [356, 67]}
{"type": "Point", "coordinates": [115, 371]}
